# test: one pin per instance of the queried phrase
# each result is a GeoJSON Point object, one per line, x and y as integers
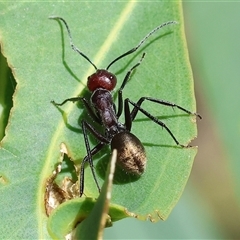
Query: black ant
{"type": "Point", "coordinates": [131, 156]}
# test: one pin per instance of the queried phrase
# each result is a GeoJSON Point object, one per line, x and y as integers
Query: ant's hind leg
{"type": "Point", "coordinates": [95, 150]}
{"type": "Point", "coordinates": [154, 119]}
{"type": "Point", "coordinates": [103, 141]}
{"type": "Point", "coordinates": [162, 102]}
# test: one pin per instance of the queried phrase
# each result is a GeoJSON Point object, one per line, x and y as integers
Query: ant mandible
{"type": "Point", "coordinates": [131, 155]}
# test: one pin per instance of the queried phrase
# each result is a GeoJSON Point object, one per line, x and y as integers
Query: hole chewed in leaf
{"type": "Point", "coordinates": [7, 88]}
{"type": "Point", "coordinates": [57, 193]}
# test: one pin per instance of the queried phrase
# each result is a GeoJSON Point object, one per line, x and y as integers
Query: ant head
{"type": "Point", "coordinates": [101, 79]}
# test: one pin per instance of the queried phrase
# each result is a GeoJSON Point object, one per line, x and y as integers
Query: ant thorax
{"type": "Point", "coordinates": [103, 103]}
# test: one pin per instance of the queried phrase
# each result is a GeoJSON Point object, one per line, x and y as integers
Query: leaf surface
{"type": "Point", "coordinates": [45, 68]}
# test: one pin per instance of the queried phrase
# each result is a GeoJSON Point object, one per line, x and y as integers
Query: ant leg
{"type": "Point", "coordinates": [86, 104]}
{"type": "Point", "coordinates": [127, 114]}
{"type": "Point", "coordinates": [154, 119]}
{"type": "Point", "coordinates": [95, 133]}
{"type": "Point", "coordinates": [88, 158]}
{"type": "Point", "coordinates": [126, 78]}
{"type": "Point", "coordinates": [74, 99]}
{"type": "Point", "coordinates": [94, 151]}
{"type": "Point", "coordinates": [166, 103]}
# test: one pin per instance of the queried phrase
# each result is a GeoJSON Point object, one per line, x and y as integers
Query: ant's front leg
{"type": "Point", "coordinates": [86, 104]}
{"type": "Point", "coordinates": [74, 99]}
{"type": "Point", "coordinates": [126, 78]}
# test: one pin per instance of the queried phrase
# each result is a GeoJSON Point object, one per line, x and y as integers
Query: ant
{"type": "Point", "coordinates": [131, 155]}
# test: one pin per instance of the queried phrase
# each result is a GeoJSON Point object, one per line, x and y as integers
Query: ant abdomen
{"type": "Point", "coordinates": [131, 155]}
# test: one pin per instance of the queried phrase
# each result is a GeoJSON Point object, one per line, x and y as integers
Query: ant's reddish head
{"type": "Point", "coordinates": [102, 79]}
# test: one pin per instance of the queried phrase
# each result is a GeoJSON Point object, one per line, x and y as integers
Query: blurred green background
{"type": "Point", "coordinates": [210, 205]}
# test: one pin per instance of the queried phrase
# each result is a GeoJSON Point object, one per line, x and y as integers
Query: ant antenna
{"type": "Point", "coordinates": [141, 42]}
{"type": "Point", "coordinates": [71, 41]}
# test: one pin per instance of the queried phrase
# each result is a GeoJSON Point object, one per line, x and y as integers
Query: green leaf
{"type": "Point", "coordinates": [45, 68]}
{"type": "Point", "coordinates": [94, 213]}
{"type": "Point", "coordinates": [99, 214]}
